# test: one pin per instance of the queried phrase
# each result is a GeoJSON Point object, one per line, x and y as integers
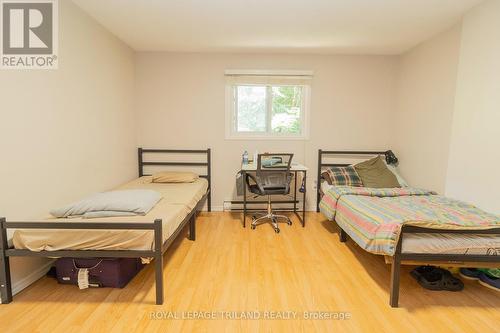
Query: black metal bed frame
{"type": "Point", "coordinates": [156, 227]}
{"type": "Point", "coordinates": [400, 257]}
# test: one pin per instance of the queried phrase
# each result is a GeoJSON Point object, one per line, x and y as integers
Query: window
{"type": "Point", "coordinates": [267, 106]}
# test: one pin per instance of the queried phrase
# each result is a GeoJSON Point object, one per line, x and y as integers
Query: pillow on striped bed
{"type": "Point", "coordinates": [343, 176]}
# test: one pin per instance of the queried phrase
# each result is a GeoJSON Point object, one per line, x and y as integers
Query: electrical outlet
{"type": "Point", "coordinates": [227, 205]}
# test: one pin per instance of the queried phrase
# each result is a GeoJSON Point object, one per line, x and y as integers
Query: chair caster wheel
{"type": "Point", "coordinates": [252, 227]}
{"type": "Point", "coordinates": [277, 230]}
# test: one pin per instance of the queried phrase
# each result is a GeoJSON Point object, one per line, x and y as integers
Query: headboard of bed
{"type": "Point", "coordinates": [206, 164]}
{"type": "Point", "coordinates": [390, 158]}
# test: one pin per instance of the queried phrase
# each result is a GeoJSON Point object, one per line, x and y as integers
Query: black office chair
{"type": "Point", "coordinates": [272, 177]}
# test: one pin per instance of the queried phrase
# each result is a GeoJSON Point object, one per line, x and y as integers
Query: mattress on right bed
{"type": "Point", "coordinates": [373, 218]}
{"type": "Point", "coordinates": [472, 244]}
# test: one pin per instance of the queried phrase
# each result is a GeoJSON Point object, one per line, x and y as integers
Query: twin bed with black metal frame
{"type": "Point", "coordinates": [401, 257]}
{"type": "Point", "coordinates": [156, 226]}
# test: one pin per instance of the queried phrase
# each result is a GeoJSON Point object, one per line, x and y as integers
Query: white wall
{"type": "Point", "coordinates": [448, 110]}
{"type": "Point", "coordinates": [180, 104]}
{"type": "Point", "coordinates": [68, 132]}
{"type": "Point", "coordinates": [425, 102]}
{"type": "Point", "coordinates": [475, 141]}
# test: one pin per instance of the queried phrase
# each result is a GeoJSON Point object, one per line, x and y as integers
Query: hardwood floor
{"type": "Point", "coordinates": [231, 269]}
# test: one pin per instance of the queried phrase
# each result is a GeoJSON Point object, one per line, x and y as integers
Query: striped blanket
{"type": "Point", "coordinates": [373, 217]}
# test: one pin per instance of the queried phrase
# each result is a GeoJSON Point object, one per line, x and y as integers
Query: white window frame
{"type": "Point", "coordinates": [231, 102]}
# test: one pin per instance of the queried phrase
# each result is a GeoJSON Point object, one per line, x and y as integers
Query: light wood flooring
{"type": "Point", "coordinates": [229, 269]}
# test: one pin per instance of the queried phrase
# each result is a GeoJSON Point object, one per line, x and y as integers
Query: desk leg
{"type": "Point", "coordinates": [295, 193]}
{"type": "Point", "coordinates": [304, 200]}
{"type": "Point", "coordinates": [244, 175]}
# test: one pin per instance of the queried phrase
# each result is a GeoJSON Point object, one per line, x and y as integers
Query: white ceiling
{"type": "Point", "coordinates": [302, 26]}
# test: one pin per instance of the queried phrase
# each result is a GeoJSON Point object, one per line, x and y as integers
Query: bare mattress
{"type": "Point", "coordinates": [178, 199]}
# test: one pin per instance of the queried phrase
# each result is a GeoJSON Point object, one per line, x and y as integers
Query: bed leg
{"type": "Point", "coordinates": [395, 271]}
{"type": "Point", "coordinates": [395, 274]}
{"type": "Point", "coordinates": [192, 228]}
{"type": "Point", "coordinates": [342, 236]}
{"type": "Point", "coordinates": [159, 280]}
{"type": "Point", "coordinates": [158, 262]}
{"type": "Point", "coordinates": [5, 283]}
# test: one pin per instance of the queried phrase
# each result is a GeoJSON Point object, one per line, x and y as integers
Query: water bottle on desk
{"type": "Point", "coordinates": [244, 159]}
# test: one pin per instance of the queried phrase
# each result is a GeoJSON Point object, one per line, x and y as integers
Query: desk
{"type": "Point", "coordinates": [295, 168]}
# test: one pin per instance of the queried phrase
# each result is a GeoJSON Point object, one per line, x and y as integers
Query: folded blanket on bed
{"type": "Point", "coordinates": [374, 217]}
{"type": "Point", "coordinates": [113, 203]}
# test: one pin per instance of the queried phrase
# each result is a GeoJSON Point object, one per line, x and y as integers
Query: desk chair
{"type": "Point", "coordinates": [272, 177]}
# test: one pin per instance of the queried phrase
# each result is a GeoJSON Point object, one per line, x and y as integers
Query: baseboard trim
{"type": "Point", "coordinates": [217, 208]}
{"type": "Point", "coordinates": [31, 278]}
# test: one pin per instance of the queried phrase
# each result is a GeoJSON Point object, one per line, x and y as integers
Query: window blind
{"type": "Point", "coordinates": [299, 78]}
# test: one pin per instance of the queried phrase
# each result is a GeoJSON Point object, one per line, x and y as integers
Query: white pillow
{"type": "Point", "coordinates": [325, 186]}
{"type": "Point", "coordinates": [113, 203]}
